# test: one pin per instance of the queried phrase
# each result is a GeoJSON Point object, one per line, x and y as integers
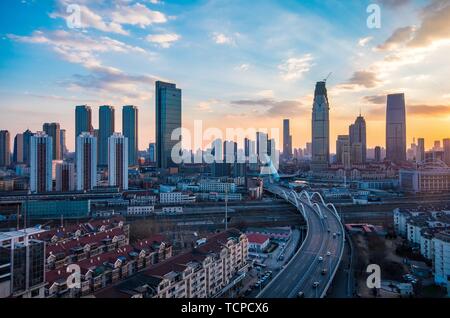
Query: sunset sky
{"type": "Point", "coordinates": [239, 63]}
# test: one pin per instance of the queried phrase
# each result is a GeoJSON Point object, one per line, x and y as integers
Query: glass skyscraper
{"type": "Point", "coordinates": [53, 130]}
{"type": "Point", "coordinates": [106, 129]}
{"type": "Point", "coordinates": [168, 118]}
{"type": "Point", "coordinates": [320, 128]}
{"type": "Point", "coordinates": [83, 120]}
{"type": "Point", "coordinates": [130, 131]}
{"type": "Point", "coordinates": [396, 128]}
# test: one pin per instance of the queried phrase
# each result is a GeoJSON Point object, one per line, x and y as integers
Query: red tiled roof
{"type": "Point", "coordinates": [257, 238]}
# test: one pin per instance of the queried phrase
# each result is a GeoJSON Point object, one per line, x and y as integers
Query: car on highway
{"type": "Point", "coordinates": [316, 284]}
{"type": "Point", "coordinates": [328, 253]}
{"type": "Point", "coordinates": [301, 294]}
{"type": "Point", "coordinates": [329, 230]}
{"type": "Point", "coordinates": [324, 271]}
{"type": "Point", "coordinates": [320, 258]}
{"type": "Point", "coordinates": [334, 235]}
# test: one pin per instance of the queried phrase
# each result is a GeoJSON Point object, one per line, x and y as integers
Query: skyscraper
{"type": "Point", "coordinates": [53, 130]}
{"type": "Point", "coordinates": [168, 118]}
{"type": "Point", "coordinates": [377, 154]}
{"type": "Point", "coordinates": [420, 156]}
{"type": "Point", "coordinates": [320, 128]}
{"type": "Point", "coordinates": [118, 161]}
{"type": "Point", "coordinates": [152, 152]}
{"type": "Point", "coordinates": [343, 150]}
{"type": "Point", "coordinates": [446, 144]}
{"type": "Point", "coordinates": [130, 131]}
{"type": "Point", "coordinates": [63, 143]}
{"type": "Point", "coordinates": [41, 154]}
{"type": "Point", "coordinates": [358, 144]}
{"type": "Point", "coordinates": [262, 141]}
{"type": "Point", "coordinates": [287, 140]}
{"type": "Point", "coordinates": [18, 149]}
{"type": "Point", "coordinates": [27, 146]}
{"type": "Point", "coordinates": [86, 162]}
{"type": "Point", "coordinates": [83, 120]}
{"type": "Point", "coordinates": [396, 128]}
{"type": "Point", "coordinates": [65, 177]}
{"type": "Point", "coordinates": [106, 129]}
{"type": "Point", "coordinates": [5, 148]}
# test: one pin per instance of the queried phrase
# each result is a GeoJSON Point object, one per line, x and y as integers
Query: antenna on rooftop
{"type": "Point", "coordinates": [328, 76]}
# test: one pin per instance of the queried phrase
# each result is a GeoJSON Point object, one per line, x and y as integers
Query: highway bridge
{"type": "Point", "coordinates": [311, 270]}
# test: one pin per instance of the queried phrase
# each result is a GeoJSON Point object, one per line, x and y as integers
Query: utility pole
{"type": "Point", "coordinates": [226, 208]}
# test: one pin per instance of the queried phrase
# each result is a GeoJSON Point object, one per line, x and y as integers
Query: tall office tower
{"type": "Point", "coordinates": [65, 177]}
{"type": "Point", "coordinates": [396, 128]}
{"type": "Point", "coordinates": [106, 129]}
{"type": "Point", "coordinates": [246, 147]}
{"type": "Point", "coordinates": [168, 118]}
{"type": "Point", "coordinates": [271, 147]}
{"type": "Point", "coordinates": [152, 152]}
{"type": "Point", "coordinates": [377, 154]}
{"type": "Point", "coordinates": [41, 154]}
{"type": "Point", "coordinates": [446, 143]}
{"type": "Point", "coordinates": [358, 144]}
{"type": "Point", "coordinates": [343, 150]}
{"type": "Point", "coordinates": [118, 161]}
{"type": "Point", "coordinates": [420, 155]}
{"type": "Point", "coordinates": [62, 137]}
{"type": "Point", "coordinates": [86, 162]}
{"type": "Point", "coordinates": [262, 141]}
{"type": "Point", "coordinates": [229, 151]}
{"type": "Point", "coordinates": [5, 148]}
{"type": "Point", "coordinates": [18, 149]}
{"type": "Point", "coordinates": [130, 131]}
{"type": "Point", "coordinates": [53, 130]}
{"type": "Point", "coordinates": [83, 120]}
{"type": "Point", "coordinates": [320, 129]}
{"type": "Point", "coordinates": [27, 146]}
{"type": "Point", "coordinates": [287, 140]}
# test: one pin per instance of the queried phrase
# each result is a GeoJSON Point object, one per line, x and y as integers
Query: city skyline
{"type": "Point", "coordinates": [258, 86]}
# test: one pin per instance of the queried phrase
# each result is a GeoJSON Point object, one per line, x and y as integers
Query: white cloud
{"type": "Point", "coordinates": [294, 67]}
{"type": "Point", "coordinates": [243, 67]}
{"type": "Point", "coordinates": [220, 38]}
{"type": "Point", "coordinates": [137, 14]}
{"type": "Point", "coordinates": [364, 41]}
{"type": "Point", "coordinates": [164, 40]}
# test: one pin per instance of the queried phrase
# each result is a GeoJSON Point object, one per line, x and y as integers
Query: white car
{"type": "Point", "coordinates": [328, 253]}
{"type": "Point", "coordinates": [316, 284]}
{"type": "Point", "coordinates": [320, 258]}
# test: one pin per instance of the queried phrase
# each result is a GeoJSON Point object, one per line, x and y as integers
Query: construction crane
{"type": "Point", "coordinates": [326, 78]}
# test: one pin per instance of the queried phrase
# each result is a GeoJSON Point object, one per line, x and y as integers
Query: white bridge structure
{"type": "Point", "coordinates": [312, 268]}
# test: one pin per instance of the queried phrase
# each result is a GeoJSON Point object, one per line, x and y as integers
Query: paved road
{"type": "Point", "coordinates": [305, 268]}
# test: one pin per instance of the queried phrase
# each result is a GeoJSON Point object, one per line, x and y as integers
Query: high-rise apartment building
{"type": "Point", "coordinates": [27, 146]}
{"type": "Point", "coordinates": [53, 130]}
{"type": "Point", "coordinates": [343, 150]}
{"type": "Point", "coordinates": [62, 137]}
{"type": "Point", "coordinates": [86, 162]}
{"type": "Point", "coordinates": [152, 152]}
{"type": "Point", "coordinates": [65, 177]}
{"type": "Point", "coordinates": [118, 161]}
{"type": "Point", "coordinates": [320, 128]}
{"type": "Point", "coordinates": [446, 144]}
{"type": "Point", "coordinates": [377, 154]}
{"type": "Point", "coordinates": [420, 155]}
{"type": "Point", "coordinates": [396, 128]}
{"type": "Point", "coordinates": [106, 129]}
{"type": "Point", "coordinates": [5, 148]}
{"type": "Point", "coordinates": [130, 131]}
{"type": "Point", "coordinates": [41, 154]}
{"type": "Point", "coordinates": [168, 118]}
{"type": "Point", "coordinates": [83, 120]}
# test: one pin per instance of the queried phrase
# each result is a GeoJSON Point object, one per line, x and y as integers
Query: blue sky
{"type": "Point", "coordinates": [239, 63]}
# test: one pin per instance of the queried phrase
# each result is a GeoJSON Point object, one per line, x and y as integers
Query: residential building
{"type": "Point", "coordinates": [118, 161]}
{"type": "Point", "coordinates": [130, 126]}
{"type": "Point", "coordinates": [5, 148]}
{"type": "Point", "coordinates": [41, 163]}
{"type": "Point", "coordinates": [53, 130]}
{"type": "Point", "coordinates": [106, 130]}
{"type": "Point", "coordinates": [287, 140]}
{"type": "Point", "coordinates": [18, 149]}
{"type": "Point", "coordinates": [441, 262]}
{"type": "Point", "coordinates": [65, 177]}
{"type": "Point", "coordinates": [86, 161]}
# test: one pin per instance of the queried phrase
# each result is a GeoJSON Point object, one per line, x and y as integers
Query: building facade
{"type": "Point", "coordinates": [106, 129]}
{"type": "Point", "coordinates": [396, 128]}
{"type": "Point", "coordinates": [41, 163]}
{"type": "Point", "coordinates": [320, 128]}
{"type": "Point", "coordinates": [130, 124]}
{"type": "Point", "coordinates": [86, 162]}
{"type": "Point", "coordinates": [168, 118]}
{"type": "Point", "coordinates": [53, 130]}
{"type": "Point", "coordinates": [65, 177]}
{"type": "Point", "coordinates": [118, 161]}
{"type": "Point", "coordinates": [83, 120]}
{"type": "Point", "coordinates": [5, 148]}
